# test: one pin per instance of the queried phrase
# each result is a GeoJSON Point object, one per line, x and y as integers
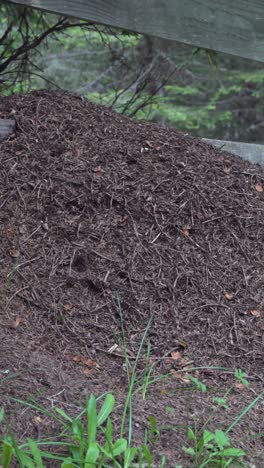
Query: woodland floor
{"type": "Point", "coordinates": [104, 221]}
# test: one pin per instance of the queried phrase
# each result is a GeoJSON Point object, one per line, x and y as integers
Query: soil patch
{"type": "Point", "coordinates": [106, 221]}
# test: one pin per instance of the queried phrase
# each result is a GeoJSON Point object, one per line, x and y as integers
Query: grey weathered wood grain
{"type": "Point", "coordinates": [232, 26]}
{"type": "Point", "coordinates": [7, 127]}
{"type": "Point", "coordinates": [249, 151]}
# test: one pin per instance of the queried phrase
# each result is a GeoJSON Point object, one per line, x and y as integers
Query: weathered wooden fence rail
{"type": "Point", "coordinates": [232, 26]}
{"type": "Point", "coordinates": [249, 151]}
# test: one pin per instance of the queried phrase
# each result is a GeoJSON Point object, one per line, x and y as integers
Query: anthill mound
{"type": "Point", "coordinates": [98, 208]}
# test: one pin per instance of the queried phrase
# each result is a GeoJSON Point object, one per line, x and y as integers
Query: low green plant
{"type": "Point", "coordinates": [153, 434]}
{"type": "Point", "coordinates": [88, 440]}
{"type": "Point", "coordinates": [213, 449]}
{"type": "Point", "coordinates": [87, 443]}
{"type": "Point", "coordinates": [240, 376]}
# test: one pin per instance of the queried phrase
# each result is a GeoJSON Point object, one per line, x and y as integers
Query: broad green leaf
{"type": "Point", "coordinates": [200, 386]}
{"type": "Point", "coordinates": [119, 447]}
{"type": "Point", "coordinates": [92, 455]}
{"type": "Point", "coordinates": [68, 463]}
{"type": "Point", "coordinates": [207, 437]}
{"type": "Point", "coordinates": [169, 409]}
{"type": "Point", "coordinates": [92, 419]}
{"type": "Point", "coordinates": [36, 453]}
{"type": "Point", "coordinates": [232, 452]}
{"type": "Point", "coordinates": [129, 456]}
{"type": "Point", "coordinates": [106, 409]}
{"type": "Point", "coordinates": [189, 450]}
{"type": "Point", "coordinates": [241, 376]}
{"type": "Point", "coordinates": [221, 439]}
{"type": "Point", "coordinates": [190, 434]}
{"type": "Point", "coordinates": [63, 414]}
{"type": "Point", "coordinates": [221, 402]}
{"type": "Point", "coordinates": [6, 454]}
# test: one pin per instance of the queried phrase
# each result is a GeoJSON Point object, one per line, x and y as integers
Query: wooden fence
{"type": "Point", "coordinates": [234, 27]}
{"type": "Point", "coordinates": [231, 26]}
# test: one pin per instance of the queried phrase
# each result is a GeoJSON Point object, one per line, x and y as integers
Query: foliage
{"type": "Point", "coordinates": [83, 443]}
{"type": "Point", "coordinates": [198, 91]}
{"type": "Point", "coordinates": [88, 439]}
{"type": "Point", "coordinates": [213, 449]}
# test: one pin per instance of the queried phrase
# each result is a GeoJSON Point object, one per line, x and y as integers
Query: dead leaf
{"type": "Point", "coordinates": [227, 170]}
{"type": "Point", "coordinates": [113, 348]}
{"type": "Point", "coordinates": [240, 386]}
{"type": "Point", "coordinates": [117, 351]}
{"type": "Point", "coordinates": [228, 296]}
{"type": "Point", "coordinates": [87, 371]}
{"type": "Point", "coordinates": [98, 171]}
{"type": "Point", "coordinates": [83, 360]}
{"type": "Point", "coordinates": [14, 253]}
{"type": "Point", "coordinates": [176, 355]}
{"type": "Point", "coordinates": [255, 312]}
{"type": "Point", "coordinates": [89, 363]}
{"type": "Point", "coordinates": [180, 360]}
{"type": "Point", "coordinates": [77, 358]}
{"type": "Point", "coordinates": [16, 323]}
{"type": "Point", "coordinates": [259, 188]}
{"type": "Point", "coordinates": [37, 419]}
{"type": "Point", "coordinates": [68, 307]}
{"type": "Point", "coordinates": [149, 143]}
{"type": "Point", "coordinates": [182, 377]}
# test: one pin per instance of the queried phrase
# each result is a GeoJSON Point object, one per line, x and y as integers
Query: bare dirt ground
{"type": "Point", "coordinates": [105, 221]}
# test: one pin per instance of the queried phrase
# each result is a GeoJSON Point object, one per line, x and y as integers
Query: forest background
{"type": "Point", "coordinates": [197, 91]}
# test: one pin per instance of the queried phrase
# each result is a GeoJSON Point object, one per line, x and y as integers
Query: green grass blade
{"type": "Point", "coordinates": [2, 413]}
{"type": "Point", "coordinates": [245, 411]}
{"type": "Point", "coordinates": [108, 435]}
{"type": "Point", "coordinates": [84, 411]}
{"type": "Point", "coordinates": [63, 414]}
{"type": "Point", "coordinates": [128, 402]}
{"type": "Point", "coordinates": [13, 375]}
{"type": "Point", "coordinates": [25, 460]}
{"type": "Point", "coordinates": [20, 454]}
{"type": "Point", "coordinates": [78, 430]}
{"type": "Point", "coordinates": [147, 455]}
{"type": "Point", "coordinates": [41, 410]}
